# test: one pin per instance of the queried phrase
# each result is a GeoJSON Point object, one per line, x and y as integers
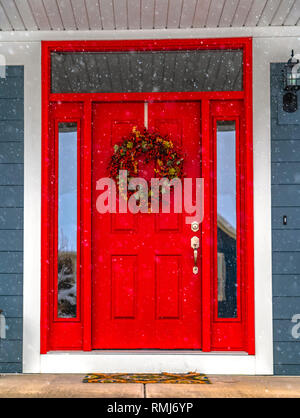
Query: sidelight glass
{"type": "Point", "coordinates": [226, 219]}
{"type": "Point", "coordinates": [67, 221]}
{"type": "Point", "coordinates": [147, 71]}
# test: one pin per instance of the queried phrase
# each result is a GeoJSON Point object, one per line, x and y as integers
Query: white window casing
{"type": "Point", "coordinates": [269, 45]}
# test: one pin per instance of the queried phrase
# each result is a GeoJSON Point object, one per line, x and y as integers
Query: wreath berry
{"type": "Point", "coordinates": [154, 147]}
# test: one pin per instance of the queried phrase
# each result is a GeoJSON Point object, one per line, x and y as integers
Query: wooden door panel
{"type": "Point", "coordinates": [123, 280]}
{"type": "Point", "coordinates": [168, 286]}
{"type": "Point", "coordinates": [170, 222]}
{"type": "Point", "coordinates": [144, 292]}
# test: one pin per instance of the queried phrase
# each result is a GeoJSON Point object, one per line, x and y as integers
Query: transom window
{"type": "Point", "coordinates": [146, 71]}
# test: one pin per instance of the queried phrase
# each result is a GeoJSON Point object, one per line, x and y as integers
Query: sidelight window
{"type": "Point", "coordinates": [226, 219]}
{"type": "Point", "coordinates": [67, 221]}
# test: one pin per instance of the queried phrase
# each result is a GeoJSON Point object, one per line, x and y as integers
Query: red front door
{"type": "Point", "coordinates": [145, 294]}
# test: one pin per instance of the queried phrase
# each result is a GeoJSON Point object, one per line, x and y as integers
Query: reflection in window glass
{"type": "Point", "coordinates": [226, 219]}
{"type": "Point", "coordinates": [67, 220]}
{"type": "Point", "coordinates": [146, 71]}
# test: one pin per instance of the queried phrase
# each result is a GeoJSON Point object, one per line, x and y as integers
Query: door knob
{"type": "Point", "coordinates": [195, 246]}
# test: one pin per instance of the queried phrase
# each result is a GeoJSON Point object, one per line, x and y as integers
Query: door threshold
{"type": "Point", "coordinates": [147, 361]}
{"type": "Point", "coordinates": [147, 352]}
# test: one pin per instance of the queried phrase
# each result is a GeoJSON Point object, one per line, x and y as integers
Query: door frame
{"type": "Point", "coordinates": [86, 100]}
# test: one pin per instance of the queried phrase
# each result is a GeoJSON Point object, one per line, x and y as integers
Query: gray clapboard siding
{"type": "Point", "coordinates": [287, 369]}
{"type": "Point", "coordinates": [283, 330]}
{"type": "Point", "coordinates": [285, 145]}
{"type": "Point", "coordinates": [286, 173]}
{"type": "Point", "coordinates": [292, 214]}
{"type": "Point", "coordinates": [12, 89]}
{"type": "Point", "coordinates": [286, 285]}
{"type": "Point", "coordinates": [11, 153]}
{"type": "Point", "coordinates": [287, 352]}
{"type": "Point", "coordinates": [11, 240]}
{"type": "Point", "coordinates": [285, 195]}
{"type": "Point", "coordinates": [14, 71]}
{"type": "Point", "coordinates": [12, 306]}
{"type": "Point", "coordinates": [11, 109]}
{"type": "Point", "coordinates": [11, 196]}
{"type": "Point", "coordinates": [14, 328]}
{"type": "Point", "coordinates": [282, 240]}
{"type": "Point", "coordinates": [11, 174]}
{"type": "Point", "coordinates": [284, 307]}
{"type": "Point", "coordinates": [286, 262]}
{"type": "Point", "coordinates": [11, 262]}
{"type": "Point", "coordinates": [11, 367]}
{"type": "Point", "coordinates": [284, 132]}
{"type": "Point", "coordinates": [11, 216]}
{"type": "Point", "coordinates": [285, 151]}
{"type": "Point", "coordinates": [12, 132]}
{"type": "Point", "coordinates": [11, 284]}
{"type": "Point", "coordinates": [11, 351]}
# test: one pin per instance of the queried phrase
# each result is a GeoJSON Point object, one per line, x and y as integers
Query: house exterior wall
{"type": "Point", "coordinates": [269, 46]}
{"type": "Point", "coordinates": [11, 216]}
{"type": "Point", "coordinates": [285, 140]}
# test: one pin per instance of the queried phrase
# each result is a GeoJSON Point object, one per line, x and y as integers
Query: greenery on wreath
{"type": "Point", "coordinates": [155, 147]}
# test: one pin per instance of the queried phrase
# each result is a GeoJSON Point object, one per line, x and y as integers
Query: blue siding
{"type": "Point", "coordinates": [11, 132]}
{"type": "Point", "coordinates": [292, 213]}
{"type": "Point", "coordinates": [285, 307]}
{"type": "Point", "coordinates": [286, 285]}
{"type": "Point", "coordinates": [283, 330]}
{"type": "Point", "coordinates": [285, 135]}
{"type": "Point", "coordinates": [288, 240]}
{"type": "Point", "coordinates": [11, 216]}
{"type": "Point", "coordinates": [286, 173]}
{"type": "Point", "coordinates": [290, 195]}
{"type": "Point", "coordinates": [11, 196]}
{"type": "Point", "coordinates": [285, 151]}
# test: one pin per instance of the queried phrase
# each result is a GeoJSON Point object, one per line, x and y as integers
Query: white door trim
{"type": "Point", "coordinates": [265, 50]}
{"type": "Point", "coordinates": [147, 362]}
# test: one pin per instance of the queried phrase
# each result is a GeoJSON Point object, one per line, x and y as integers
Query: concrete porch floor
{"type": "Point", "coordinates": [71, 386]}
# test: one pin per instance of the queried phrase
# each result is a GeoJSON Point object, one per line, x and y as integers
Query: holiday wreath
{"type": "Point", "coordinates": [154, 147]}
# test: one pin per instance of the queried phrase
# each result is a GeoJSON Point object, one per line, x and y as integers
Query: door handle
{"type": "Point", "coordinates": [195, 246]}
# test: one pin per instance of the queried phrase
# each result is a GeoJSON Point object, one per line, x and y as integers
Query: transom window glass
{"type": "Point", "coordinates": [146, 71]}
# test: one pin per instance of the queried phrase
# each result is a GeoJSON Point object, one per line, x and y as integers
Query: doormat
{"type": "Point", "coordinates": [182, 378]}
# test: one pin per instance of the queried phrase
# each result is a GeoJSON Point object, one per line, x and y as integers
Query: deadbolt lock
{"type": "Point", "coordinates": [195, 226]}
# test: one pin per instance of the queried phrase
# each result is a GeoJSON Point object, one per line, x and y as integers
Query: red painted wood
{"type": "Point", "coordinates": [123, 282]}
{"type": "Point", "coordinates": [86, 227]}
{"type": "Point", "coordinates": [138, 97]}
{"type": "Point", "coordinates": [66, 114]}
{"type": "Point", "coordinates": [248, 192]}
{"type": "Point", "coordinates": [45, 219]}
{"type": "Point", "coordinates": [63, 333]}
{"type": "Point", "coordinates": [206, 227]}
{"type": "Point", "coordinates": [229, 333]}
{"type": "Point", "coordinates": [145, 294]}
{"type": "Point", "coordinates": [168, 286]}
{"type": "Point", "coordinates": [149, 44]}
